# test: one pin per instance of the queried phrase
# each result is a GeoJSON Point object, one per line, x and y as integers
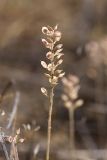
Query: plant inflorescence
{"type": "Point", "coordinates": [54, 55]}
{"type": "Point", "coordinates": [71, 102]}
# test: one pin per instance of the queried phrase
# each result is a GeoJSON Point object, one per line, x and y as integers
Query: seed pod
{"type": "Point", "coordinates": [3, 113]}
{"type": "Point", "coordinates": [18, 131]}
{"type": "Point", "coordinates": [68, 104]}
{"type": "Point", "coordinates": [56, 27]}
{"type": "Point", "coordinates": [54, 80]}
{"type": "Point", "coordinates": [45, 30]}
{"type": "Point", "coordinates": [59, 62]}
{"type": "Point", "coordinates": [21, 140]}
{"type": "Point", "coordinates": [58, 51]}
{"type": "Point", "coordinates": [57, 35]}
{"type": "Point", "coordinates": [57, 72]}
{"type": "Point", "coordinates": [48, 31]}
{"type": "Point", "coordinates": [44, 65]}
{"type": "Point", "coordinates": [59, 46]}
{"type": "Point", "coordinates": [73, 78]}
{"type": "Point", "coordinates": [44, 91]}
{"type": "Point", "coordinates": [50, 55]}
{"type": "Point", "coordinates": [61, 75]}
{"type": "Point", "coordinates": [47, 75]}
{"type": "Point", "coordinates": [79, 103]}
{"type": "Point", "coordinates": [59, 55]}
{"type": "Point", "coordinates": [45, 42]}
{"type": "Point", "coordinates": [64, 97]}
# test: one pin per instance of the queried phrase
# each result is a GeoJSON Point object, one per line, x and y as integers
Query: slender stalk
{"type": "Point", "coordinates": [71, 101]}
{"type": "Point", "coordinates": [14, 152]}
{"type": "Point", "coordinates": [4, 149]}
{"type": "Point", "coordinates": [71, 128]}
{"type": "Point", "coordinates": [71, 131]}
{"type": "Point", "coordinates": [50, 123]}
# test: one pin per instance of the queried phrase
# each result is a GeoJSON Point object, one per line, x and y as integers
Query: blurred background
{"type": "Point", "coordinates": [84, 27]}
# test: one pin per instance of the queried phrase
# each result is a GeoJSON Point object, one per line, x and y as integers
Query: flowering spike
{"type": "Point", "coordinates": [53, 55]}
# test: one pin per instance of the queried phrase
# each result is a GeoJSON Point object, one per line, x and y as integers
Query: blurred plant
{"type": "Point", "coordinates": [70, 97]}
{"type": "Point", "coordinates": [54, 55]}
{"type": "Point", "coordinates": [29, 130]}
{"type": "Point", "coordinates": [13, 140]}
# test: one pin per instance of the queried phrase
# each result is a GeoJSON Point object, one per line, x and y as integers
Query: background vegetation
{"type": "Point", "coordinates": [84, 34]}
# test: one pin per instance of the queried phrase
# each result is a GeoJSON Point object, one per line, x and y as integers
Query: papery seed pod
{"type": "Point", "coordinates": [47, 75]}
{"type": "Point", "coordinates": [50, 55]}
{"type": "Point", "coordinates": [79, 103]}
{"type": "Point", "coordinates": [73, 78]}
{"type": "Point", "coordinates": [64, 97]}
{"type": "Point", "coordinates": [57, 72]}
{"type": "Point", "coordinates": [61, 75]}
{"type": "Point", "coordinates": [44, 30]}
{"type": "Point", "coordinates": [45, 42]}
{"type": "Point", "coordinates": [56, 27]}
{"type": "Point", "coordinates": [36, 150]}
{"type": "Point", "coordinates": [37, 128]}
{"type": "Point", "coordinates": [48, 31]}
{"type": "Point", "coordinates": [28, 126]}
{"type": "Point", "coordinates": [59, 62]}
{"type": "Point", "coordinates": [68, 104]}
{"type": "Point", "coordinates": [21, 140]}
{"type": "Point", "coordinates": [50, 67]}
{"type": "Point", "coordinates": [54, 80]}
{"type": "Point", "coordinates": [10, 139]}
{"type": "Point", "coordinates": [44, 65]}
{"type": "Point", "coordinates": [3, 113]}
{"type": "Point", "coordinates": [57, 35]}
{"type": "Point", "coordinates": [24, 126]}
{"type": "Point", "coordinates": [59, 46]}
{"type": "Point", "coordinates": [59, 55]}
{"type": "Point", "coordinates": [74, 94]}
{"type": "Point", "coordinates": [18, 131]}
{"type": "Point", "coordinates": [44, 91]}
{"type": "Point", "coordinates": [58, 51]}
{"type": "Point", "coordinates": [64, 81]}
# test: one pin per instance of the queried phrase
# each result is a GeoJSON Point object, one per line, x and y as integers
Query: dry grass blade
{"type": "Point", "coordinates": [14, 111]}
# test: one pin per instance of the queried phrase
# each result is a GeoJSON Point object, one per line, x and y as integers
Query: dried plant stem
{"type": "Point", "coordinates": [14, 152]}
{"type": "Point", "coordinates": [50, 122]}
{"type": "Point", "coordinates": [5, 151]}
{"type": "Point", "coordinates": [71, 131]}
{"type": "Point", "coordinates": [71, 128]}
{"type": "Point", "coordinates": [4, 148]}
